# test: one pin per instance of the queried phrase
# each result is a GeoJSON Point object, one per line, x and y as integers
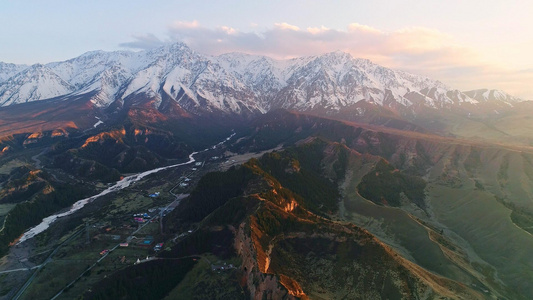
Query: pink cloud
{"type": "Point", "coordinates": [363, 28]}
{"type": "Point", "coordinates": [228, 30]}
{"type": "Point", "coordinates": [286, 26]}
{"type": "Point", "coordinates": [418, 50]}
{"type": "Point", "coordinates": [317, 30]}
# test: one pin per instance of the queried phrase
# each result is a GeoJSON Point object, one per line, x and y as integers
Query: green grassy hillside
{"type": "Point", "coordinates": [285, 248]}
{"type": "Point", "coordinates": [478, 199]}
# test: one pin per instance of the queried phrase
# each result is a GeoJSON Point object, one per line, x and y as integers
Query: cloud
{"type": "Point", "coordinates": [363, 28]}
{"type": "Point", "coordinates": [228, 30]}
{"type": "Point", "coordinates": [185, 25]}
{"type": "Point", "coordinates": [317, 30]}
{"type": "Point", "coordinates": [285, 26]}
{"type": "Point", "coordinates": [146, 41]}
{"type": "Point", "coordinates": [286, 40]}
{"type": "Point", "coordinates": [417, 50]}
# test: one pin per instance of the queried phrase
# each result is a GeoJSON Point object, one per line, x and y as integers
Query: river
{"type": "Point", "coordinates": [119, 185]}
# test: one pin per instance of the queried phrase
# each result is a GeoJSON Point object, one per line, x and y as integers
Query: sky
{"type": "Point", "coordinates": [466, 44]}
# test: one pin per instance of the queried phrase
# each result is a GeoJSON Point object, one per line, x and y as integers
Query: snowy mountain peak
{"type": "Point", "coordinates": [485, 95]}
{"type": "Point", "coordinates": [8, 70]}
{"type": "Point", "coordinates": [171, 51]}
{"type": "Point", "coordinates": [336, 56]}
{"type": "Point", "coordinates": [37, 82]}
{"type": "Point", "coordinates": [233, 82]}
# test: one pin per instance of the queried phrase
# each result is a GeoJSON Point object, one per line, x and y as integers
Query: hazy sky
{"type": "Point", "coordinates": [467, 44]}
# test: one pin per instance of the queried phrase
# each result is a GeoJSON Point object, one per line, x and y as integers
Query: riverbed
{"type": "Point", "coordinates": [119, 185]}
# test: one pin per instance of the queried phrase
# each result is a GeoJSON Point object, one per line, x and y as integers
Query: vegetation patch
{"type": "Point", "coordinates": [213, 191]}
{"type": "Point", "coordinates": [384, 185]}
{"type": "Point", "coordinates": [30, 213]}
{"type": "Point", "coordinates": [300, 170]}
{"type": "Point", "coordinates": [150, 280]}
{"type": "Point", "coordinates": [202, 282]}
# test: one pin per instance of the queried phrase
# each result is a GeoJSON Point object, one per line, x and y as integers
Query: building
{"type": "Point", "coordinates": [158, 247]}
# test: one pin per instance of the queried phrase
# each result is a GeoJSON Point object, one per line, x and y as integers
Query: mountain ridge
{"type": "Point", "coordinates": [237, 82]}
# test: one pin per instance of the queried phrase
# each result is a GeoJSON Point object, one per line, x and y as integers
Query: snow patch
{"type": "Point", "coordinates": [98, 123]}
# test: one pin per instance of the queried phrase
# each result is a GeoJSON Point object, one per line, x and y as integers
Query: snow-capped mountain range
{"type": "Point", "coordinates": [232, 83]}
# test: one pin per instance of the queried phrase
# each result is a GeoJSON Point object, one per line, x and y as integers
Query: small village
{"type": "Point", "coordinates": [128, 229]}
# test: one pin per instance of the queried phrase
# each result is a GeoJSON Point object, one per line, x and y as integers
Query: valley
{"type": "Point", "coordinates": [470, 192]}
{"type": "Point", "coordinates": [72, 252]}
{"type": "Point", "coordinates": [245, 177]}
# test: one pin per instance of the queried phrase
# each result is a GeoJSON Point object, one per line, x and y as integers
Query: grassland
{"type": "Point", "coordinates": [486, 226]}
{"type": "Point", "coordinates": [73, 259]}
{"type": "Point", "coordinates": [108, 217]}
{"type": "Point", "coordinates": [472, 228]}
{"type": "Point", "coordinates": [202, 282]}
{"type": "Point", "coordinates": [467, 233]}
{"type": "Point", "coordinates": [4, 210]}
{"type": "Point", "coordinates": [6, 167]}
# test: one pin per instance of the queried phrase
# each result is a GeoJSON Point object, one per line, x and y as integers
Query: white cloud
{"type": "Point", "coordinates": [228, 30]}
{"type": "Point", "coordinates": [363, 28]}
{"type": "Point", "coordinates": [317, 30]}
{"type": "Point", "coordinates": [285, 26]}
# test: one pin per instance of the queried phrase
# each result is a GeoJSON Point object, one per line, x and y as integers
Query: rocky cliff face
{"type": "Point", "coordinates": [261, 285]}
{"type": "Point", "coordinates": [289, 252]}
